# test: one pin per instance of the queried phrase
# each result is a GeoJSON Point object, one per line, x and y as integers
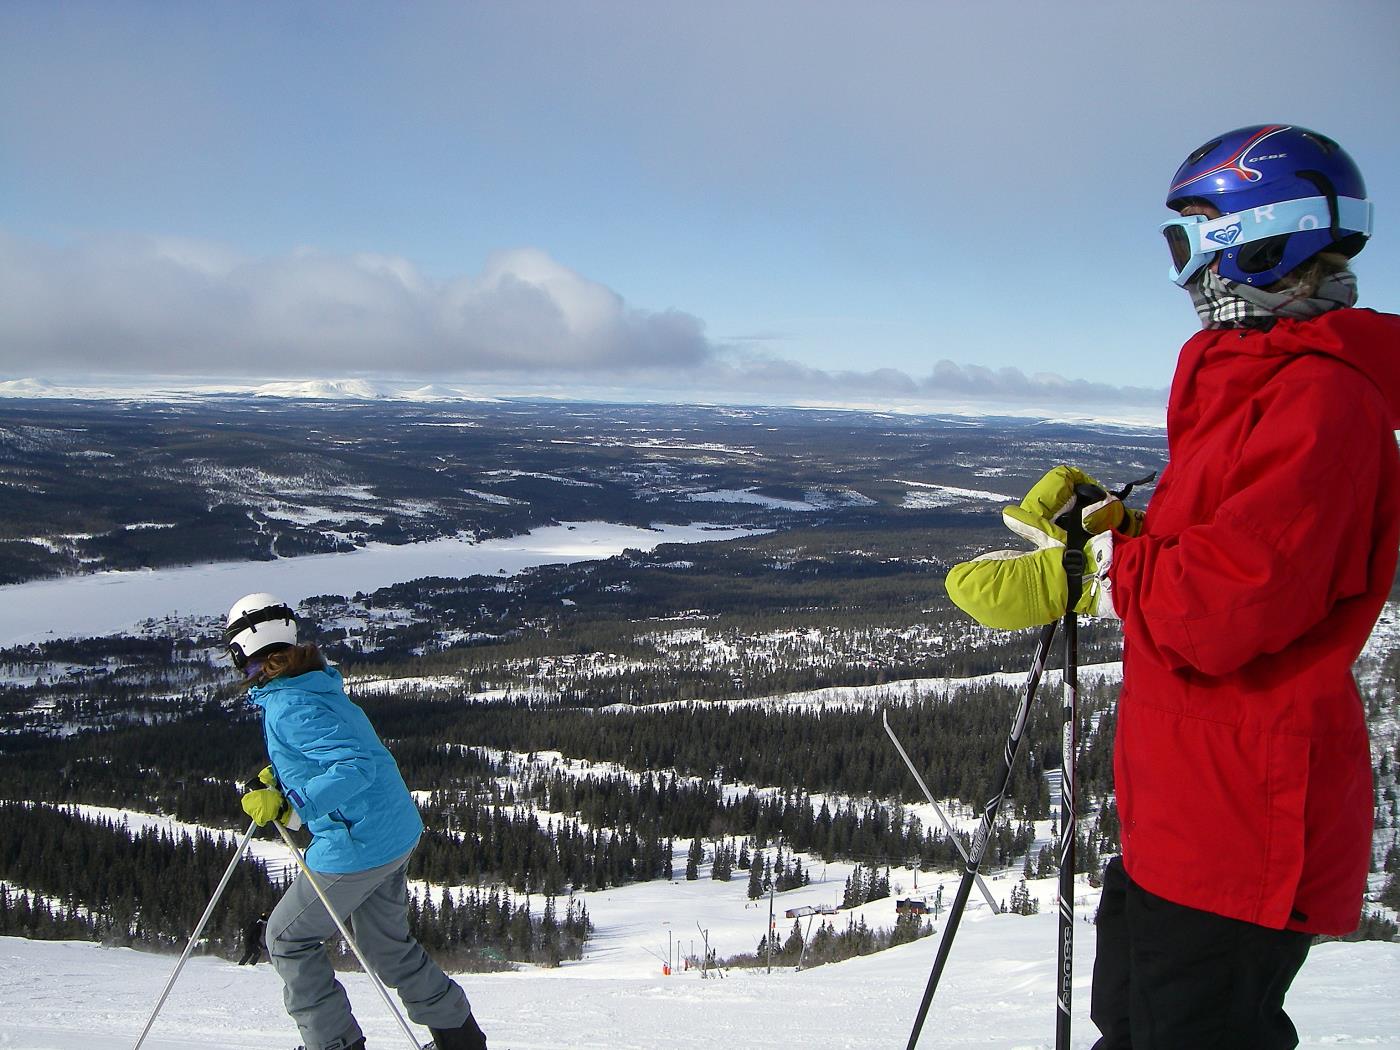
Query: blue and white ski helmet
{"type": "Point", "coordinates": [1285, 194]}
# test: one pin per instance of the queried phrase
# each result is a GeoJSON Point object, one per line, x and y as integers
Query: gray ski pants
{"type": "Point", "coordinates": [376, 904]}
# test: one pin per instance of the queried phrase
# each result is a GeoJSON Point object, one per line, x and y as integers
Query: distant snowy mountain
{"type": "Point", "coordinates": [178, 388]}
{"type": "Point", "coordinates": [323, 389]}
{"type": "Point", "coordinates": [23, 387]}
{"type": "Point", "coordinates": [1126, 418]}
{"type": "Point", "coordinates": [365, 390]}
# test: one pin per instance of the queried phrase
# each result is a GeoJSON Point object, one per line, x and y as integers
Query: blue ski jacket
{"type": "Point", "coordinates": [336, 773]}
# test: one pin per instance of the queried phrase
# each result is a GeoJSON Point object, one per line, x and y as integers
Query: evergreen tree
{"type": "Point", "coordinates": [792, 947]}
{"type": "Point", "coordinates": [755, 889]}
{"type": "Point", "coordinates": [1390, 893]}
{"type": "Point", "coordinates": [723, 868]}
{"type": "Point", "coordinates": [855, 893]}
{"type": "Point", "coordinates": [1022, 903]}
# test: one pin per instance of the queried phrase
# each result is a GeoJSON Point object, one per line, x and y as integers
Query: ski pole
{"type": "Point", "coordinates": [1076, 536]}
{"type": "Point", "coordinates": [218, 893]}
{"type": "Point", "coordinates": [344, 932]}
{"type": "Point", "coordinates": [938, 810]}
{"type": "Point", "coordinates": [984, 829]}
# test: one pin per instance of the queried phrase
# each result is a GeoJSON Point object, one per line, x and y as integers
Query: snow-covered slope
{"type": "Point", "coordinates": [996, 993]}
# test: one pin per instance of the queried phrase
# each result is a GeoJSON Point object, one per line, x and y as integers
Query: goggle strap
{"type": "Point", "coordinates": [249, 620]}
{"type": "Point", "coordinates": [1275, 220]}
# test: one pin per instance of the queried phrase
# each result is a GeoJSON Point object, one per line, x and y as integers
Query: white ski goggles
{"type": "Point", "coordinates": [1194, 239]}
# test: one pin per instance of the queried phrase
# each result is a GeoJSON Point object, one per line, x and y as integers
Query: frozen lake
{"type": "Point", "coordinates": [110, 602]}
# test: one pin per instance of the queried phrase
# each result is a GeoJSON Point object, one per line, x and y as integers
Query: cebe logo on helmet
{"type": "Point", "coordinates": [257, 624]}
{"type": "Point", "coordinates": [1281, 207]}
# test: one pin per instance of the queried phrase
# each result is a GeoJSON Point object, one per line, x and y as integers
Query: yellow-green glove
{"type": "Point", "coordinates": [268, 803]}
{"type": "Point", "coordinates": [1010, 590]}
{"type": "Point", "coordinates": [1054, 494]}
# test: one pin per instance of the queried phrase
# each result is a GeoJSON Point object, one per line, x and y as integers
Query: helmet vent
{"type": "Point", "coordinates": [1203, 152]}
{"type": "Point", "coordinates": [1321, 141]}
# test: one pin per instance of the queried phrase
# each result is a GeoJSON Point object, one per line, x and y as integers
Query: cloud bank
{"type": "Point", "coordinates": [151, 305]}
{"type": "Point", "coordinates": [164, 305]}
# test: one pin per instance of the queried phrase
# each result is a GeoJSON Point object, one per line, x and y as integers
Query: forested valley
{"type": "Point", "coordinates": [702, 711]}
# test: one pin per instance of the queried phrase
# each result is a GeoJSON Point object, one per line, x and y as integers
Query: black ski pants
{"type": "Point", "coordinates": [1168, 977]}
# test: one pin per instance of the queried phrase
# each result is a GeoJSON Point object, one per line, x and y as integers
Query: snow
{"type": "Point", "coordinates": [660, 445]}
{"type": "Point", "coordinates": [493, 497]}
{"type": "Point", "coordinates": [750, 497]}
{"type": "Point", "coordinates": [812, 499]}
{"type": "Point", "coordinates": [930, 496]}
{"type": "Point", "coordinates": [184, 388]}
{"type": "Point", "coordinates": [380, 686]}
{"type": "Point", "coordinates": [912, 690]}
{"type": "Point", "coordinates": [998, 991]}
{"type": "Point", "coordinates": [511, 475]}
{"type": "Point", "coordinates": [310, 515]}
{"type": "Point", "coordinates": [110, 602]}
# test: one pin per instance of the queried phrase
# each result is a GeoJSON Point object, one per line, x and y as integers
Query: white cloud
{"type": "Point", "coordinates": [149, 304]}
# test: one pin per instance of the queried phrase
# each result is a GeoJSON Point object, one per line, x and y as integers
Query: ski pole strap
{"type": "Point", "coordinates": [1127, 490]}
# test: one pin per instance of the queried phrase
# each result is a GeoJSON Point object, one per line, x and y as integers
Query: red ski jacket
{"type": "Point", "coordinates": [1242, 765]}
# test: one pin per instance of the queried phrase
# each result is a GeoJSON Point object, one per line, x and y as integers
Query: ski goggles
{"type": "Point", "coordinates": [1194, 239]}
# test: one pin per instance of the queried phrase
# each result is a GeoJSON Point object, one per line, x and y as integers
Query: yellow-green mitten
{"type": "Point", "coordinates": [1010, 590]}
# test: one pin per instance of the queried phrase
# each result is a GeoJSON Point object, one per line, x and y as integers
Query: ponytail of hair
{"type": "Point", "coordinates": [289, 662]}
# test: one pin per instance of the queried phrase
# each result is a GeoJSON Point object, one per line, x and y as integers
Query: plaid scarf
{"type": "Point", "coordinates": [1222, 303]}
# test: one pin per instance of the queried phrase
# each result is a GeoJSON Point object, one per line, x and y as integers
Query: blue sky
{"type": "Point", "coordinates": [771, 200]}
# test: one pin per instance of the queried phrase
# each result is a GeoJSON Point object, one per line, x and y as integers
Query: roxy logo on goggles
{"type": "Point", "coordinates": [1229, 235]}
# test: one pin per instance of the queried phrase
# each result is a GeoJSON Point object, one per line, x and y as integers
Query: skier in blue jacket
{"type": "Point", "coordinates": [330, 771]}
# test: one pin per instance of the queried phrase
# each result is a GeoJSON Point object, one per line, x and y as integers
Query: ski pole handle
{"type": "Point", "coordinates": [1072, 519]}
{"type": "Point", "coordinates": [1076, 536]}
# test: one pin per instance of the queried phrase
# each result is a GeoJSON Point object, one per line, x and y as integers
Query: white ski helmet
{"type": "Point", "coordinates": [258, 623]}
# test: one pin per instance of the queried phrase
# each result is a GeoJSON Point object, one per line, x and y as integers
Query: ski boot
{"type": "Point", "coordinates": [467, 1037]}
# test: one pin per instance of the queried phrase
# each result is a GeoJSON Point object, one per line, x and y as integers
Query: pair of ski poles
{"type": "Point", "coordinates": [1074, 563]}
{"type": "Point", "coordinates": [320, 892]}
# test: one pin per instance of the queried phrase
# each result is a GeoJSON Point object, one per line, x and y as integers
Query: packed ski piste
{"type": "Point", "coordinates": [1245, 587]}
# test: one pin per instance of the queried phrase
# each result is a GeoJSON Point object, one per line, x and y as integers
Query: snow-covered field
{"type": "Point", "coordinates": [109, 602]}
{"type": "Point", "coordinates": [996, 993]}
{"type": "Point", "coordinates": [927, 497]}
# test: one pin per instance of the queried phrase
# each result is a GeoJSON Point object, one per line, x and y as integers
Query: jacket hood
{"type": "Point", "coordinates": [1366, 340]}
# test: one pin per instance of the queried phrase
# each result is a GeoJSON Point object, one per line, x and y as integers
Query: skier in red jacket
{"type": "Point", "coordinates": [1246, 591]}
